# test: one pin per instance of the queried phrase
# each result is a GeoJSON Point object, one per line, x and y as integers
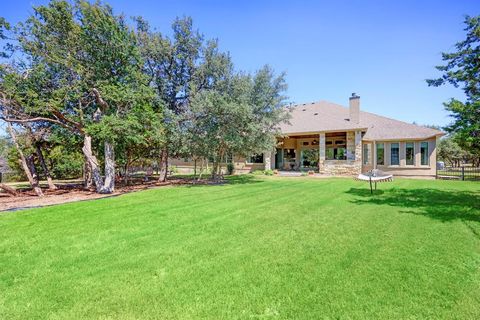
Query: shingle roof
{"type": "Point", "coordinates": [326, 116]}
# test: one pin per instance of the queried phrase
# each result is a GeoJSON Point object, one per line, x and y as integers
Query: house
{"type": "Point", "coordinates": [332, 139]}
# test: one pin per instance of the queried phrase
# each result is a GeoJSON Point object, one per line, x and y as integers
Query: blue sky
{"type": "Point", "coordinates": [382, 50]}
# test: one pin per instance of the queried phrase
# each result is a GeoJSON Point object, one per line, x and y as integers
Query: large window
{"type": "Point", "coordinates": [366, 153]}
{"type": "Point", "coordinates": [409, 154]}
{"type": "Point", "coordinates": [380, 154]}
{"type": "Point", "coordinates": [395, 154]}
{"type": "Point", "coordinates": [336, 146]}
{"type": "Point", "coordinates": [256, 158]}
{"type": "Point", "coordinates": [424, 153]}
{"type": "Point", "coordinates": [336, 154]}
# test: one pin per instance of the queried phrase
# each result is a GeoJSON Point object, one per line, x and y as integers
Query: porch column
{"type": "Point", "coordinates": [322, 152]}
{"type": "Point", "coordinates": [374, 152]}
{"type": "Point", "coordinates": [267, 160]}
{"type": "Point", "coordinates": [358, 151]}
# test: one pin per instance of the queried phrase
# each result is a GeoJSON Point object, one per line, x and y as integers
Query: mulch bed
{"type": "Point", "coordinates": [27, 198]}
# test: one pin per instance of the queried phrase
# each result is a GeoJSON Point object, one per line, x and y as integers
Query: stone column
{"type": "Point", "coordinates": [267, 160]}
{"type": "Point", "coordinates": [322, 152]}
{"type": "Point", "coordinates": [273, 159]}
{"type": "Point", "coordinates": [350, 145]}
{"type": "Point", "coordinates": [358, 151]}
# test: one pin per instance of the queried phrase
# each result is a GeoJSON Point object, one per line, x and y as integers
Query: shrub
{"type": "Point", "coordinates": [230, 168]}
{"type": "Point", "coordinates": [268, 172]}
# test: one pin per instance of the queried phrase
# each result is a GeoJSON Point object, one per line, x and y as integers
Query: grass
{"type": "Point", "coordinates": [258, 248]}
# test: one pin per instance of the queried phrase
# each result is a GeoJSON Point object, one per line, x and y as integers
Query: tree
{"type": "Point", "coordinates": [462, 70]}
{"type": "Point", "coordinates": [450, 152]}
{"type": "Point", "coordinates": [239, 115]}
{"type": "Point", "coordinates": [178, 68]}
{"type": "Point", "coordinates": [83, 72]}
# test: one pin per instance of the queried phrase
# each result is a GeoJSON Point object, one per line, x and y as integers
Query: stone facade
{"type": "Point", "coordinates": [322, 156]}
{"type": "Point", "coordinates": [351, 166]}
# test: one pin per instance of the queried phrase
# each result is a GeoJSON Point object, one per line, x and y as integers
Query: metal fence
{"type": "Point", "coordinates": [459, 173]}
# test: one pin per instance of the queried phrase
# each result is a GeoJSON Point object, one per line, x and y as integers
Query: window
{"type": "Point", "coordinates": [424, 153]}
{"type": "Point", "coordinates": [366, 153]}
{"type": "Point", "coordinates": [305, 143]}
{"type": "Point", "coordinates": [394, 154]}
{"type": "Point", "coordinates": [380, 154]}
{"type": "Point", "coordinates": [256, 158]}
{"type": "Point", "coordinates": [336, 154]}
{"type": "Point", "coordinates": [409, 154]}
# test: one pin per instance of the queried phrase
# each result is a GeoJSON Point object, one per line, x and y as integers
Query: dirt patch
{"type": "Point", "coordinates": [74, 192]}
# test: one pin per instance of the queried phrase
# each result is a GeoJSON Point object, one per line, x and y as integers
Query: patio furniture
{"type": "Point", "coordinates": [374, 176]}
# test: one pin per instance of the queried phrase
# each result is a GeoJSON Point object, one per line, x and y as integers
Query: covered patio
{"type": "Point", "coordinates": [337, 152]}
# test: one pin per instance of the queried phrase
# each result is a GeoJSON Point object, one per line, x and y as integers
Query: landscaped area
{"type": "Point", "coordinates": [257, 247]}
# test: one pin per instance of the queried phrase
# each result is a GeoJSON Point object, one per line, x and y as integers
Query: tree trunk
{"type": "Point", "coordinates": [109, 183]}
{"type": "Point", "coordinates": [87, 174]}
{"type": "Point", "coordinates": [163, 165]}
{"type": "Point", "coordinates": [201, 169]}
{"type": "Point", "coordinates": [126, 172]}
{"type": "Point", "coordinates": [195, 168]}
{"type": "Point", "coordinates": [23, 163]}
{"type": "Point", "coordinates": [215, 170]}
{"type": "Point", "coordinates": [45, 169]}
{"type": "Point", "coordinates": [101, 186]}
{"type": "Point", "coordinates": [31, 166]}
{"type": "Point", "coordinates": [8, 189]}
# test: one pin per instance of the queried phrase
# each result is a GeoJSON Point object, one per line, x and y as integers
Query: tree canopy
{"type": "Point", "coordinates": [462, 70]}
{"type": "Point", "coordinates": [77, 79]}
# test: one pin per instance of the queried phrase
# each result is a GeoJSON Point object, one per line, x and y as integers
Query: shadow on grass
{"type": "Point", "coordinates": [243, 179]}
{"type": "Point", "coordinates": [229, 180]}
{"type": "Point", "coordinates": [443, 205]}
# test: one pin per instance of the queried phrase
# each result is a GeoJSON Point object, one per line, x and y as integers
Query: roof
{"type": "Point", "coordinates": [327, 116]}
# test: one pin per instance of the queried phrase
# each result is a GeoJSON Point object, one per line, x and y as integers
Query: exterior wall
{"type": "Point", "coordinates": [369, 165]}
{"type": "Point", "coordinates": [411, 170]}
{"type": "Point", "coordinates": [352, 166]}
{"type": "Point", "coordinates": [241, 165]}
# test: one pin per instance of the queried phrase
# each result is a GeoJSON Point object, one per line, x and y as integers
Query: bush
{"type": "Point", "coordinates": [230, 168]}
{"type": "Point", "coordinates": [268, 172]}
{"type": "Point", "coordinates": [263, 172]}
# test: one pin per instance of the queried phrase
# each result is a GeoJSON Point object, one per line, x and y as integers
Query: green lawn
{"type": "Point", "coordinates": [258, 248]}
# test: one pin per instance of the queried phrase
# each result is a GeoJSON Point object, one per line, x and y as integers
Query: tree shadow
{"type": "Point", "coordinates": [443, 205]}
{"type": "Point", "coordinates": [243, 179]}
{"type": "Point", "coordinates": [228, 180]}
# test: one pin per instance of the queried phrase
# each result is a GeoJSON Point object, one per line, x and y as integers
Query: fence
{"type": "Point", "coordinates": [459, 173]}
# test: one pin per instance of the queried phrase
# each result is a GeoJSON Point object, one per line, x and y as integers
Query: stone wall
{"type": "Point", "coordinates": [350, 167]}
{"type": "Point", "coordinates": [342, 167]}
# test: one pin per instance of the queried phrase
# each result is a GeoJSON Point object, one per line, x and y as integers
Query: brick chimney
{"type": "Point", "coordinates": [354, 108]}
